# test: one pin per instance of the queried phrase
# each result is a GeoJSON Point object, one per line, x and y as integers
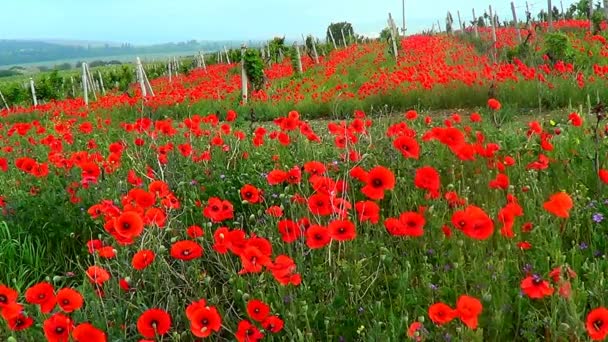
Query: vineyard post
{"type": "Point", "coordinates": [202, 54]}
{"type": "Point", "coordinates": [438, 26]}
{"type": "Point", "coordinates": [147, 82]}
{"type": "Point", "coordinates": [393, 38]}
{"type": "Point", "coordinates": [227, 56]}
{"type": "Point", "coordinates": [33, 88]}
{"type": "Point", "coordinates": [4, 101]}
{"type": "Point", "coordinates": [528, 15]}
{"type": "Point", "coordinates": [169, 70]}
{"type": "Point", "coordinates": [515, 21]}
{"type": "Point", "coordinates": [244, 80]}
{"type": "Point", "coordinates": [591, 16]}
{"type": "Point", "coordinates": [85, 85]}
{"type": "Point", "coordinates": [550, 15]}
{"type": "Point", "coordinates": [343, 37]}
{"type": "Point", "coordinates": [475, 24]}
{"type": "Point", "coordinates": [140, 78]}
{"type": "Point", "coordinates": [493, 23]}
{"type": "Point", "coordinates": [333, 40]}
{"type": "Point", "coordinates": [403, 14]}
{"type": "Point", "coordinates": [300, 70]}
{"type": "Point", "coordinates": [314, 50]}
{"type": "Point", "coordinates": [73, 88]}
{"type": "Point", "coordinates": [561, 5]}
{"type": "Point", "coordinates": [460, 22]}
{"type": "Point", "coordinates": [103, 89]}
{"type": "Point", "coordinates": [91, 83]}
{"type": "Point", "coordinates": [605, 7]}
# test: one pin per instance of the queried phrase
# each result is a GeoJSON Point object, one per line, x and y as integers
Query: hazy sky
{"type": "Point", "coordinates": [156, 21]}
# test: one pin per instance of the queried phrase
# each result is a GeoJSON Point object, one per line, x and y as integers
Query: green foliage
{"type": "Point", "coordinates": [337, 29]}
{"type": "Point", "coordinates": [278, 49]}
{"type": "Point", "coordinates": [557, 47]}
{"type": "Point", "coordinates": [9, 73]}
{"type": "Point", "coordinates": [254, 67]}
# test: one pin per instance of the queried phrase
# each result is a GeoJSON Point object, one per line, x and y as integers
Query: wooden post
{"type": "Point", "coordinates": [103, 89]}
{"type": "Point", "coordinates": [91, 83]}
{"type": "Point", "coordinates": [343, 38]}
{"type": "Point", "coordinates": [203, 60]}
{"type": "Point", "coordinates": [393, 38]}
{"type": "Point", "coordinates": [438, 26]}
{"type": "Point", "coordinates": [169, 70]}
{"type": "Point", "coordinates": [244, 80]}
{"type": "Point", "coordinates": [333, 40]}
{"type": "Point", "coordinates": [475, 24]}
{"type": "Point", "coordinates": [85, 84]}
{"type": "Point", "coordinates": [147, 82]}
{"type": "Point", "coordinates": [140, 78]}
{"type": "Point", "coordinates": [73, 88]}
{"type": "Point", "coordinates": [591, 15]}
{"type": "Point", "coordinates": [493, 23]}
{"type": "Point", "coordinates": [605, 7]}
{"type": "Point", "coordinates": [4, 101]}
{"type": "Point", "coordinates": [460, 22]}
{"type": "Point", "coordinates": [314, 50]}
{"type": "Point", "coordinates": [227, 56]}
{"type": "Point", "coordinates": [300, 70]}
{"type": "Point", "coordinates": [550, 15]}
{"type": "Point", "coordinates": [403, 29]}
{"type": "Point", "coordinates": [33, 88]}
{"type": "Point", "coordinates": [515, 21]}
{"type": "Point", "coordinates": [528, 14]}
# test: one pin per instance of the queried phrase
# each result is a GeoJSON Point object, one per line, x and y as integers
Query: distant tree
{"type": "Point", "coordinates": [385, 35]}
{"type": "Point", "coordinates": [337, 28]}
{"type": "Point", "coordinates": [481, 22]}
{"type": "Point", "coordinates": [63, 66]}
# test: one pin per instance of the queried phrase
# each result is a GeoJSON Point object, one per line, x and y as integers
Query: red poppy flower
{"type": "Point", "coordinates": [407, 146]}
{"type": "Point", "coordinates": [250, 194]}
{"type": "Point", "coordinates": [247, 332]}
{"type": "Point", "coordinates": [379, 179]}
{"type": "Point", "coordinates": [57, 328]}
{"type": "Point", "coordinates": [129, 225]}
{"type": "Point", "coordinates": [142, 259]}
{"type": "Point", "coordinates": [195, 232]}
{"type": "Point", "coordinates": [284, 271]}
{"type": "Point", "coordinates": [274, 324]}
{"type": "Point", "coordinates": [575, 119]}
{"type": "Point", "coordinates": [97, 275]}
{"type": "Point", "coordinates": [597, 324]}
{"type": "Point", "coordinates": [342, 230]}
{"type": "Point", "coordinates": [257, 310]}
{"type": "Point", "coordinates": [276, 177]}
{"type": "Point", "coordinates": [493, 104]}
{"type": "Point", "coordinates": [7, 296]}
{"type": "Point", "coordinates": [536, 288]}
{"type": "Point", "coordinates": [69, 300]}
{"type": "Point", "coordinates": [204, 321]}
{"type": "Point", "coordinates": [368, 211]}
{"type": "Point", "coordinates": [603, 174]}
{"type": "Point", "coordinates": [11, 310]}
{"type": "Point", "coordinates": [559, 205]}
{"type": "Point", "coordinates": [153, 322]}
{"type": "Point", "coordinates": [86, 332]}
{"type": "Point", "coordinates": [42, 294]}
{"type": "Point", "coordinates": [186, 250]}
{"type": "Point", "coordinates": [20, 322]}
{"type": "Point", "coordinates": [413, 331]}
{"type": "Point", "coordinates": [314, 168]}
{"type": "Point", "coordinates": [317, 237]}
{"type": "Point", "coordinates": [289, 230]}
{"type": "Point", "coordinates": [253, 260]}
{"type": "Point", "coordinates": [218, 210]}
{"type": "Point", "coordinates": [468, 309]}
{"type": "Point", "coordinates": [427, 178]}
{"type": "Point", "coordinates": [441, 313]}
{"type": "Point", "coordinates": [320, 204]}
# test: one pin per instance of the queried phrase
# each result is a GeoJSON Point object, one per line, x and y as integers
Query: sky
{"type": "Point", "coordinates": [159, 21]}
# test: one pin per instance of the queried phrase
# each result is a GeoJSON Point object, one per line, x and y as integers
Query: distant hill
{"type": "Point", "coordinates": [15, 52]}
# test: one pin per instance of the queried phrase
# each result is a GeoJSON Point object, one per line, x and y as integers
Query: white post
{"type": "Point", "coordinates": [33, 92]}
{"type": "Point", "coordinates": [314, 50]}
{"type": "Point", "coordinates": [550, 15]}
{"type": "Point", "coordinates": [299, 57]}
{"type": "Point", "coordinates": [169, 67]}
{"type": "Point", "coordinates": [203, 60]}
{"type": "Point", "coordinates": [403, 13]}
{"type": "Point", "coordinates": [460, 22]}
{"type": "Point", "coordinates": [244, 80]}
{"type": "Point", "coordinates": [493, 23]}
{"type": "Point", "coordinates": [393, 38]}
{"type": "Point", "coordinates": [73, 88]}
{"type": "Point", "coordinates": [333, 40]}
{"type": "Point", "coordinates": [591, 16]}
{"type": "Point", "coordinates": [475, 24]}
{"type": "Point", "coordinates": [438, 26]}
{"type": "Point", "coordinates": [140, 78]}
{"type": "Point", "coordinates": [4, 101]}
{"type": "Point", "coordinates": [343, 38]}
{"type": "Point", "coordinates": [103, 89]}
{"type": "Point", "coordinates": [147, 83]}
{"type": "Point", "coordinates": [85, 84]}
{"type": "Point", "coordinates": [91, 83]}
{"type": "Point", "coordinates": [605, 7]}
{"type": "Point", "coordinates": [227, 57]}
{"type": "Point", "coordinates": [528, 13]}
{"type": "Point", "coordinates": [515, 21]}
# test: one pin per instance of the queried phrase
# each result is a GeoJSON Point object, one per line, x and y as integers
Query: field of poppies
{"type": "Point", "coordinates": [336, 205]}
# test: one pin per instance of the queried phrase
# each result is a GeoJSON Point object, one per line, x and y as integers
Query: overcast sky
{"type": "Point", "coordinates": [157, 21]}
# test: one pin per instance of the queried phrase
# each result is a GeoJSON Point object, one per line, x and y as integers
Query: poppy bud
{"type": "Point", "coordinates": [245, 297]}
{"type": "Point", "coordinates": [421, 319]}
